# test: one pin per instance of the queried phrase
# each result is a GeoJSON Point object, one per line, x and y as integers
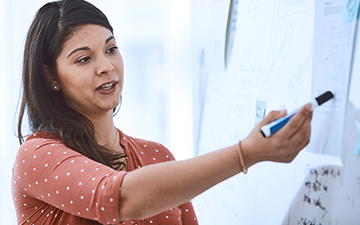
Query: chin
{"type": "Point", "coordinates": [115, 105]}
{"type": "Point", "coordinates": [109, 105]}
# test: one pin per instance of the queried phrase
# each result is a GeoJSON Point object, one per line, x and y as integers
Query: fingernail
{"type": "Point", "coordinates": [282, 111]}
{"type": "Point", "coordinates": [308, 107]}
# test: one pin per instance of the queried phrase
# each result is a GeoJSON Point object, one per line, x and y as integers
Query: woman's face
{"type": "Point", "coordinates": [90, 71]}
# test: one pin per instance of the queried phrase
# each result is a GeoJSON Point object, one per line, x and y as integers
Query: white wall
{"type": "Point", "coordinates": [154, 39]}
{"type": "Point", "coordinates": [8, 99]}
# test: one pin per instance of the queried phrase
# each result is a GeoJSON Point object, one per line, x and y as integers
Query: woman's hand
{"type": "Point", "coordinates": [284, 145]}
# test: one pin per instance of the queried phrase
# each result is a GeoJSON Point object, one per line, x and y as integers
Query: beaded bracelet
{"type": "Point", "coordinates": [243, 168]}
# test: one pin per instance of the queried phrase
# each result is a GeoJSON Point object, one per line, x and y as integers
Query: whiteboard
{"type": "Point", "coordinates": [272, 61]}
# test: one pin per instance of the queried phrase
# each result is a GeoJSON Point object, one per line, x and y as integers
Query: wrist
{"type": "Point", "coordinates": [241, 158]}
{"type": "Point", "coordinates": [250, 156]}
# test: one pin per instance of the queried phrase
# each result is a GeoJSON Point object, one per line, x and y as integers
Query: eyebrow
{"type": "Point", "coordinates": [86, 48]}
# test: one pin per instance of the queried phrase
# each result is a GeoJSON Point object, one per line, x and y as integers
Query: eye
{"type": "Point", "coordinates": [112, 50]}
{"type": "Point", "coordinates": [84, 59]}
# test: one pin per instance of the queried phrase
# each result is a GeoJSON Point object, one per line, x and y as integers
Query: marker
{"type": "Point", "coordinates": [276, 125]}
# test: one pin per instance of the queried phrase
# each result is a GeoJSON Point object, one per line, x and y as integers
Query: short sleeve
{"type": "Point", "coordinates": [188, 216]}
{"type": "Point", "coordinates": [46, 170]}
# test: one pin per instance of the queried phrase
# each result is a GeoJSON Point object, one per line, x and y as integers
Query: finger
{"type": "Point", "coordinates": [302, 137]}
{"type": "Point", "coordinates": [304, 143]}
{"type": "Point", "coordinates": [298, 141]}
{"type": "Point", "coordinates": [307, 123]}
{"type": "Point", "coordinates": [296, 122]}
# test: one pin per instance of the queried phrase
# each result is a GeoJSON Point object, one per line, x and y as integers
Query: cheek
{"type": "Point", "coordinates": [119, 67]}
{"type": "Point", "coordinates": [73, 84]}
{"type": "Point", "coordinates": [118, 62]}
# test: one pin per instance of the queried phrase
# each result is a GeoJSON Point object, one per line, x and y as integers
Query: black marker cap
{"type": "Point", "coordinates": [324, 97]}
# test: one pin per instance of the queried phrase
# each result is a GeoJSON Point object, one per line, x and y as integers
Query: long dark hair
{"type": "Point", "coordinates": [46, 109]}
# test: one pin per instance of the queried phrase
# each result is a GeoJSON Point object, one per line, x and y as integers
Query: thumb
{"type": "Point", "coordinates": [273, 115]}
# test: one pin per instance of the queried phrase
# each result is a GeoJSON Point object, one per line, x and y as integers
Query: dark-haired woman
{"type": "Point", "coordinates": [77, 167]}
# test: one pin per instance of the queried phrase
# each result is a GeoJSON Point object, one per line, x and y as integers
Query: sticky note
{"type": "Point", "coordinates": [231, 30]}
{"type": "Point", "coordinates": [357, 147]}
{"type": "Point", "coordinates": [351, 10]}
{"type": "Point", "coordinates": [260, 111]}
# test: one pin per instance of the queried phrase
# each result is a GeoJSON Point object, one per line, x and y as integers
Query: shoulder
{"type": "Point", "coordinates": [39, 152]}
{"type": "Point", "coordinates": [47, 170]}
{"type": "Point", "coordinates": [38, 145]}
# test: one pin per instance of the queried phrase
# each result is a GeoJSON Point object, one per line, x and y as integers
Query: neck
{"type": "Point", "coordinates": [105, 131]}
{"type": "Point", "coordinates": [107, 135]}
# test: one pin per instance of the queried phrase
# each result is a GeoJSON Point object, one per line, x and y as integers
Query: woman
{"type": "Point", "coordinates": [77, 168]}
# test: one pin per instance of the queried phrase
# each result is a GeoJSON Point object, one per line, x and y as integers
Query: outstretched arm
{"type": "Point", "coordinates": [154, 189]}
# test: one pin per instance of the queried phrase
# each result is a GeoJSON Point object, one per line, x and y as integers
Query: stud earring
{"type": "Point", "coordinates": [55, 88]}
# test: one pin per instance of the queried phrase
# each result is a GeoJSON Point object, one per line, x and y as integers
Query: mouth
{"type": "Point", "coordinates": [107, 86]}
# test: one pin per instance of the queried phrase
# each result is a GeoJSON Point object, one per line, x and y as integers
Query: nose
{"type": "Point", "coordinates": [104, 66]}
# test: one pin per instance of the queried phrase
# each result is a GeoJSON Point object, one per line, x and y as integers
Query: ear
{"type": "Point", "coordinates": [51, 78]}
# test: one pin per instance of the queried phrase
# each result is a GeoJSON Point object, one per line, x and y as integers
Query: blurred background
{"type": "Point", "coordinates": [154, 38]}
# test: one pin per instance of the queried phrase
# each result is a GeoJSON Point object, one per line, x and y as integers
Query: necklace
{"type": "Point", "coordinates": [116, 137]}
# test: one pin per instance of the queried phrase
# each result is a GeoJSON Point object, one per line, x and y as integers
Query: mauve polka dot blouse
{"type": "Point", "coordinates": [53, 184]}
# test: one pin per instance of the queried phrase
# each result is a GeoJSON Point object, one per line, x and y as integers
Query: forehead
{"type": "Point", "coordinates": [87, 35]}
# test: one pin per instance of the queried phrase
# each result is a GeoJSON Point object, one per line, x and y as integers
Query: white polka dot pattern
{"type": "Point", "coordinates": [49, 178]}
{"type": "Point", "coordinates": [51, 181]}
